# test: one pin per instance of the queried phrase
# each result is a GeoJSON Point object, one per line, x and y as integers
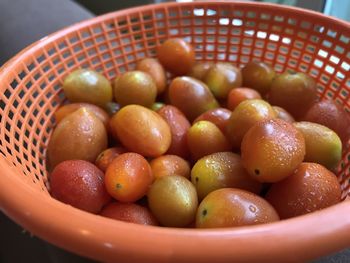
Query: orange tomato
{"type": "Point", "coordinates": [67, 109]}
{"type": "Point", "coordinates": [237, 95]}
{"type": "Point", "coordinates": [141, 130]}
{"type": "Point", "coordinates": [176, 55]}
{"type": "Point", "coordinates": [191, 96]}
{"type": "Point", "coordinates": [179, 126]}
{"type": "Point", "coordinates": [107, 156]}
{"type": "Point", "coordinates": [218, 116]}
{"type": "Point", "coordinates": [129, 212]}
{"type": "Point", "coordinates": [155, 70]}
{"type": "Point", "coordinates": [272, 149]}
{"type": "Point", "coordinates": [309, 188]}
{"type": "Point", "coordinates": [170, 165]}
{"type": "Point", "coordinates": [205, 138]}
{"type": "Point", "coordinates": [128, 177]}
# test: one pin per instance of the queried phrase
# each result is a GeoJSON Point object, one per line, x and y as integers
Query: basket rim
{"type": "Point", "coordinates": [25, 205]}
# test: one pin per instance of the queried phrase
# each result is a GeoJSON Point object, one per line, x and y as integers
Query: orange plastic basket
{"type": "Point", "coordinates": [287, 38]}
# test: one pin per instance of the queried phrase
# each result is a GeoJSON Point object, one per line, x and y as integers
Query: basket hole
{"type": "Point", "coordinates": [261, 34]}
{"type": "Point", "coordinates": [43, 85]}
{"type": "Point", "coordinates": [73, 39]}
{"type": "Point", "coordinates": [339, 49]}
{"type": "Point", "coordinates": [276, 28]}
{"type": "Point", "coordinates": [295, 53]}
{"type": "Point", "coordinates": [41, 58]}
{"type": "Point", "coordinates": [62, 45]}
{"type": "Point", "coordinates": [292, 21]}
{"type": "Point", "coordinates": [103, 47]}
{"type": "Point", "coordinates": [265, 16]}
{"type": "Point", "coordinates": [51, 77]}
{"type": "Point", "coordinates": [279, 18]}
{"type": "Point", "coordinates": [324, 79]}
{"type": "Point", "coordinates": [306, 58]}
{"type": "Point", "coordinates": [56, 61]}
{"type": "Point", "coordinates": [46, 68]}
{"type": "Point", "coordinates": [30, 67]}
{"type": "Point", "coordinates": [263, 26]}
{"type": "Point", "coordinates": [329, 69]}
{"type": "Point", "coordinates": [15, 103]}
{"type": "Point", "coordinates": [14, 84]}
{"type": "Point", "coordinates": [28, 104]}
{"type": "Point", "coordinates": [11, 114]}
{"type": "Point", "coordinates": [302, 35]}
{"type": "Point", "coordinates": [249, 33]}
{"type": "Point", "coordinates": [314, 39]}
{"type": "Point", "coordinates": [41, 103]}
{"type": "Point", "coordinates": [70, 63]}
{"type": "Point", "coordinates": [35, 94]}
{"type": "Point", "coordinates": [28, 169]}
{"type": "Point", "coordinates": [51, 51]}
{"type": "Point", "coordinates": [274, 37]}
{"type": "Point", "coordinates": [344, 39]}
{"type": "Point", "coordinates": [66, 54]}
{"type": "Point", "coordinates": [7, 139]}
{"type": "Point", "coordinates": [305, 25]}
{"type": "Point", "coordinates": [85, 34]}
{"type": "Point", "coordinates": [23, 113]}
{"type": "Point", "coordinates": [345, 66]}
{"type": "Point", "coordinates": [37, 76]}
{"type": "Point", "coordinates": [289, 31]}
{"type": "Point", "coordinates": [100, 39]}
{"type": "Point", "coordinates": [251, 14]}
{"type": "Point", "coordinates": [35, 112]}
{"type": "Point", "coordinates": [198, 12]}
{"type": "Point", "coordinates": [318, 63]}
{"type": "Point", "coordinates": [331, 33]}
{"type": "Point", "coordinates": [7, 93]}
{"type": "Point", "coordinates": [17, 158]}
{"type": "Point", "coordinates": [334, 59]}
{"type": "Point", "coordinates": [326, 43]}
{"type": "Point", "coordinates": [319, 28]}
{"type": "Point", "coordinates": [92, 52]}
{"type": "Point", "coordinates": [340, 75]}
{"type": "Point", "coordinates": [8, 150]}
{"type": "Point", "coordinates": [298, 44]}
{"type": "Point", "coordinates": [22, 74]}
{"type": "Point", "coordinates": [224, 21]}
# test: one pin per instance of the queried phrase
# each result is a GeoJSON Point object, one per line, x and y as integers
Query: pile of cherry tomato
{"type": "Point", "coordinates": [213, 145]}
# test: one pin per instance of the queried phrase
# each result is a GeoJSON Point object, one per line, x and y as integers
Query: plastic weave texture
{"type": "Point", "coordinates": [288, 39]}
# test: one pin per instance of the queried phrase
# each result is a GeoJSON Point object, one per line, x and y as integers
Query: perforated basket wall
{"type": "Point", "coordinates": [31, 91]}
{"type": "Point", "coordinates": [284, 38]}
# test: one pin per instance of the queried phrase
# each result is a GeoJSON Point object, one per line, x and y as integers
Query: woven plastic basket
{"type": "Point", "coordinates": [287, 38]}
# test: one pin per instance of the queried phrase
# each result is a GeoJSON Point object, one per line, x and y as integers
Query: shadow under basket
{"type": "Point", "coordinates": [237, 32]}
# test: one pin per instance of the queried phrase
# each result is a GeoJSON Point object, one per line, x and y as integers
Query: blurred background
{"type": "Point", "coordinates": [21, 23]}
{"type": "Point", "coordinates": [338, 8]}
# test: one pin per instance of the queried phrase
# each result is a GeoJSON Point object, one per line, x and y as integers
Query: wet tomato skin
{"type": "Point", "coordinates": [166, 165]}
{"type": "Point", "coordinates": [191, 96]}
{"type": "Point", "coordinates": [179, 126]}
{"type": "Point", "coordinates": [141, 130]}
{"type": "Point", "coordinates": [272, 149]}
{"type": "Point", "coordinates": [177, 56]}
{"type": "Point", "coordinates": [79, 183]}
{"type": "Point", "coordinates": [218, 116]}
{"type": "Point", "coordinates": [105, 158]}
{"type": "Point", "coordinates": [129, 212]}
{"type": "Point", "coordinates": [310, 188]}
{"type": "Point", "coordinates": [128, 177]}
{"type": "Point", "coordinates": [231, 207]}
